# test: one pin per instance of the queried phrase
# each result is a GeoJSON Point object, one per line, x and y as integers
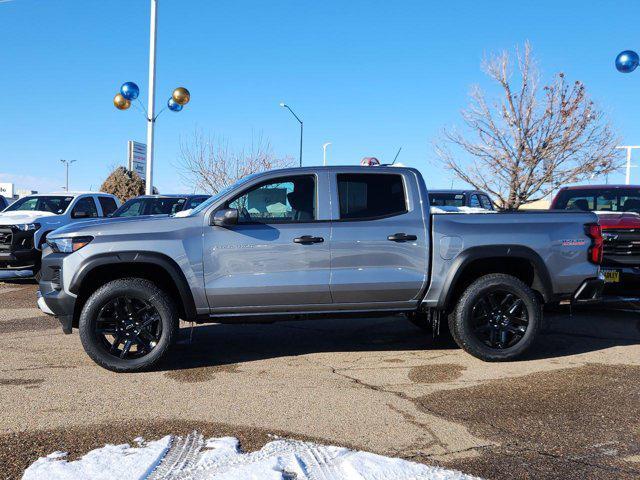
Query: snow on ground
{"type": "Point", "coordinates": [195, 458]}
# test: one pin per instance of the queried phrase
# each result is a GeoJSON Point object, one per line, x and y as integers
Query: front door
{"type": "Point", "coordinates": [379, 244]}
{"type": "Point", "coordinates": [277, 257]}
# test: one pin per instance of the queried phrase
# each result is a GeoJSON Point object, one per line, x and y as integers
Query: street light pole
{"type": "Point", "coordinates": [284, 105]}
{"type": "Point", "coordinates": [628, 148]}
{"type": "Point", "coordinates": [66, 163]}
{"type": "Point", "coordinates": [324, 153]}
{"type": "Point", "coordinates": [151, 108]}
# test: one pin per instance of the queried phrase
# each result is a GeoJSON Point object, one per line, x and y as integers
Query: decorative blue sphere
{"type": "Point", "coordinates": [627, 61]}
{"type": "Point", "coordinates": [130, 90]}
{"type": "Point", "coordinates": [173, 105]}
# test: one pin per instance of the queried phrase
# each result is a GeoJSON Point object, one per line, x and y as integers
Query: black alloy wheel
{"type": "Point", "coordinates": [499, 319]}
{"type": "Point", "coordinates": [128, 327]}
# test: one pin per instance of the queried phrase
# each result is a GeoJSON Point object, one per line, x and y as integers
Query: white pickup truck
{"type": "Point", "coordinates": [25, 224]}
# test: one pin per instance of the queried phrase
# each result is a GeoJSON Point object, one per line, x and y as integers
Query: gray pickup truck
{"type": "Point", "coordinates": [306, 242]}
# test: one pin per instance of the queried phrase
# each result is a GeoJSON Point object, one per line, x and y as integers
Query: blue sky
{"type": "Point", "coordinates": [369, 76]}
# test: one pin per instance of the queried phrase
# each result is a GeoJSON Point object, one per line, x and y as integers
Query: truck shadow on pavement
{"type": "Point", "coordinates": [219, 345]}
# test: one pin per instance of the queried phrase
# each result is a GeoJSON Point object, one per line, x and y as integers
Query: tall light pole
{"type": "Point", "coordinates": [129, 92]}
{"type": "Point", "coordinates": [284, 105]}
{"type": "Point", "coordinates": [628, 148]}
{"type": "Point", "coordinates": [151, 108]}
{"type": "Point", "coordinates": [324, 153]}
{"type": "Point", "coordinates": [66, 163]}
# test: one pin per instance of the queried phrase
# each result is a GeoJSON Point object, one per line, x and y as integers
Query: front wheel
{"type": "Point", "coordinates": [127, 325]}
{"type": "Point", "coordinates": [497, 318]}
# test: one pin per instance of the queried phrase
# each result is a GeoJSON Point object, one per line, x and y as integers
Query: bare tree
{"type": "Point", "coordinates": [525, 144]}
{"type": "Point", "coordinates": [209, 164]}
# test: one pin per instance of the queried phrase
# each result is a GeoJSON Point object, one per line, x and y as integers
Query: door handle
{"type": "Point", "coordinates": [308, 239]}
{"type": "Point", "coordinates": [401, 237]}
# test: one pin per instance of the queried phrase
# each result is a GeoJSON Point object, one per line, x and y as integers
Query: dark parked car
{"type": "Point", "coordinates": [3, 203]}
{"type": "Point", "coordinates": [460, 198]}
{"type": "Point", "coordinates": [618, 210]}
{"type": "Point", "coordinates": [158, 205]}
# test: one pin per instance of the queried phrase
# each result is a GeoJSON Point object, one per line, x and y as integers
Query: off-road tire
{"type": "Point", "coordinates": [134, 288]}
{"type": "Point", "coordinates": [459, 320]}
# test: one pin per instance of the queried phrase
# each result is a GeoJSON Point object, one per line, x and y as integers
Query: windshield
{"type": "Point", "coordinates": [446, 199]}
{"type": "Point", "coordinates": [150, 206]}
{"type": "Point", "coordinates": [56, 205]}
{"type": "Point", "coordinates": [213, 199]}
{"type": "Point", "coordinates": [599, 199]}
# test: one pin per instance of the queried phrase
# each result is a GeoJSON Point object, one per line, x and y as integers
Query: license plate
{"type": "Point", "coordinates": [611, 276]}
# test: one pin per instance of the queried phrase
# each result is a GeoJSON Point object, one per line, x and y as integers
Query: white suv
{"type": "Point", "coordinates": [24, 224]}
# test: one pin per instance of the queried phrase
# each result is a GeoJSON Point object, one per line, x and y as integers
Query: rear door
{"type": "Point", "coordinates": [379, 243]}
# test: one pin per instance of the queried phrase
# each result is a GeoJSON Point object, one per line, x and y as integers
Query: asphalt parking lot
{"type": "Point", "coordinates": [568, 410]}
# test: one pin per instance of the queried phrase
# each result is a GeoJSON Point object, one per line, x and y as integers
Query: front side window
{"type": "Point", "coordinates": [52, 204]}
{"type": "Point", "coordinates": [131, 208]}
{"type": "Point", "coordinates": [85, 208]}
{"type": "Point", "coordinates": [486, 203]}
{"type": "Point", "coordinates": [370, 195]}
{"type": "Point", "coordinates": [283, 200]}
{"type": "Point", "coordinates": [474, 202]}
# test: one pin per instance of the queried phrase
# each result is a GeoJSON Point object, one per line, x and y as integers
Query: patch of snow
{"type": "Point", "coordinates": [221, 458]}
{"type": "Point", "coordinates": [108, 462]}
{"type": "Point", "coordinates": [452, 209]}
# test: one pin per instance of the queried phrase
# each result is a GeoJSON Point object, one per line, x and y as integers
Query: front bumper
{"type": "Point", "coordinates": [19, 259]}
{"type": "Point", "coordinates": [52, 299]}
{"type": "Point", "coordinates": [624, 281]}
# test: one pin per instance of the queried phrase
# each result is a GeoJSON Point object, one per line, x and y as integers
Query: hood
{"type": "Point", "coordinates": [19, 217]}
{"type": "Point", "coordinates": [121, 226]}
{"type": "Point", "coordinates": [618, 220]}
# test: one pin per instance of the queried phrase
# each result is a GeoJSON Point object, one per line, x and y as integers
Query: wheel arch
{"type": "Point", "coordinates": [156, 267]}
{"type": "Point", "coordinates": [517, 260]}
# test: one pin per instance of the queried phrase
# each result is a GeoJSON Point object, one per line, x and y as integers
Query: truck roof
{"type": "Point", "coordinates": [68, 194]}
{"type": "Point", "coordinates": [597, 187]}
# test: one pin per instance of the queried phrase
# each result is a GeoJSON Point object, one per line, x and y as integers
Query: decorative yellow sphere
{"type": "Point", "coordinates": [120, 102]}
{"type": "Point", "coordinates": [181, 96]}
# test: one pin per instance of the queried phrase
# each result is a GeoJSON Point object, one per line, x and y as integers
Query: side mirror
{"type": "Point", "coordinates": [225, 217]}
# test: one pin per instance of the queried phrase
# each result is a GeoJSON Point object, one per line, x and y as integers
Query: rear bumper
{"type": "Point", "coordinates": [590, 291]}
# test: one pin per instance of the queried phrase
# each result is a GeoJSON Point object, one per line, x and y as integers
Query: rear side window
{"type": "Point", "coordinates": [108, 205]}
{"type": "Point", "coordinates": [369, 196]}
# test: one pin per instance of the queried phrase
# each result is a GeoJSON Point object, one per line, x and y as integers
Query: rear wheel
{"type": "Point", "coordinates": [128, 325]}
{"type": "Point", "coordinates": [497, 318]}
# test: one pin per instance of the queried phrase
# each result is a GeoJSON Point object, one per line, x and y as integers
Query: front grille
{"type": "Point", "coordinates": [621, 243]}
{"type": "Point", "coordinates": [12, 239]}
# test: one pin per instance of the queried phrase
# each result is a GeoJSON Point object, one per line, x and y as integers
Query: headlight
{"type": "Point", "coordinates": [28, 227]}
{"type": "Point", "coordinates": [69, 244]}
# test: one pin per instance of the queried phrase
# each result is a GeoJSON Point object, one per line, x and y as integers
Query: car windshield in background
{"type": "Point", "coordinates": [446, 199]}
{"type": "Point", "coordinates": [150, 206]}
{"type": "Point", "coordinates": [56, 204]}
{"type": "Point", "coordinates": [603, 200]}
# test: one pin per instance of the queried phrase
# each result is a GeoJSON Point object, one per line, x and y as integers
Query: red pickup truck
{"type": "Point", "coordinates": [618, 210]}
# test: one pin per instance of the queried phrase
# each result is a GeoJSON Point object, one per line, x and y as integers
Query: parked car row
{"type": "Point", "coordinates": [307, 242]}
{"type": "Point", "coordinates": [26, 223]}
